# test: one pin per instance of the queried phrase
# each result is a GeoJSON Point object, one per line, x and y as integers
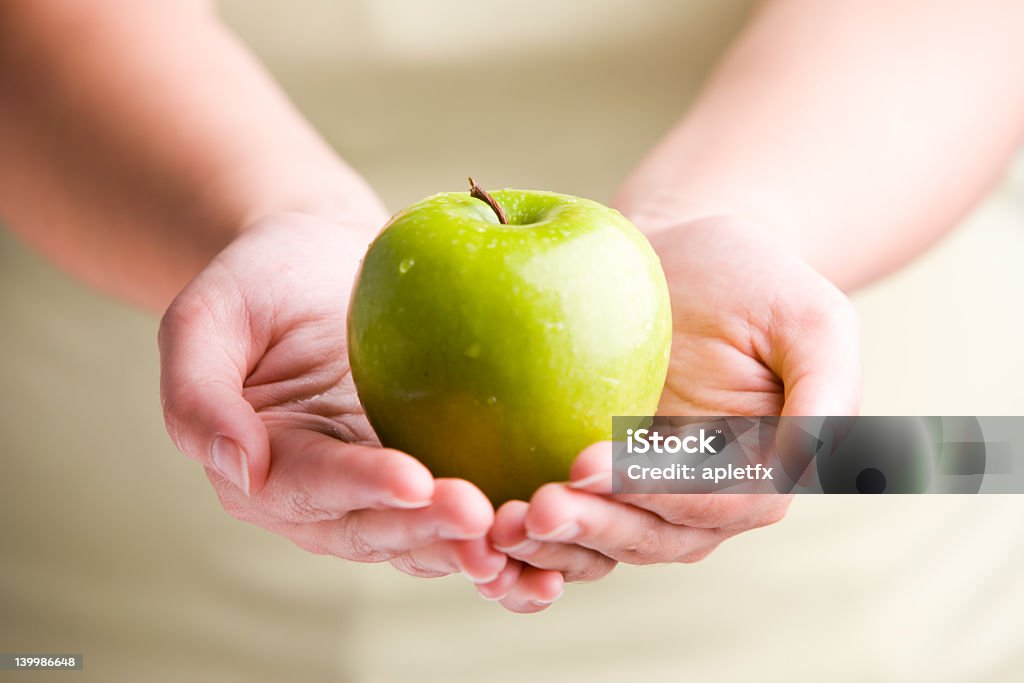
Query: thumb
{"type": "Point", "coordinates": [204, 352]}
{"type": "Point", "coordinates": [820, 368]}
{"type": "Point", "coordinates": [821, 372]}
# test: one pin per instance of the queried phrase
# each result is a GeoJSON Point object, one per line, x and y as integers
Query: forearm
{"type": "Point", "coordinates": [857, 131]}
{"type": "Point", "coordinates": [138, 138]}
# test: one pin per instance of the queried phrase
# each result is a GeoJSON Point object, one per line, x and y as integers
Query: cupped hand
{"type": "Point", "coordinates": [255, 385]}
{"type": "Point", "coordinates": [756, 332]}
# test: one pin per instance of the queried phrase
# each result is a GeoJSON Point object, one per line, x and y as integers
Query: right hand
{"type": "Point", "coordinates": [756, 331]}
{"type": "Point", "coordinates": [256, 386]}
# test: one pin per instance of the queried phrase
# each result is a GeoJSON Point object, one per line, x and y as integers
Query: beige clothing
{"type": "Point", "coordinates": [113, 545]}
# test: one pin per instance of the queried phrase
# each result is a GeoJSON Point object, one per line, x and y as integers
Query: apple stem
{"type": "Point", "coordinates": [483, 195]}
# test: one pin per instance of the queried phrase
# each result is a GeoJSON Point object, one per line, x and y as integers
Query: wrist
{"type": "Point", "coordinates": [340, 198]}
{"type": "Point", "coordinates": [657, 209]}
{"type": "Point", "coordinates": [333, 235]}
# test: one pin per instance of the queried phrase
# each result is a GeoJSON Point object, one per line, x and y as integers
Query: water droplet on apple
{"type": "Point", "coordinates": [491, 400]}
{"type": "Point", "coordinates": [473, 351]}
{"type": "Point", "coordinates": [405, 265]}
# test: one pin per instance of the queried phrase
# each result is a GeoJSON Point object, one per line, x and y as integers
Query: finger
{"type": "Point", "coordinates": [592, 469]}
{"type": "Point", "coordinates": [203, 363]}
{"type": "Point", "coordinates": [315, 477]}
{"type": "Point", "coordinates": [817, 356]}
{"type": "Point", "coordinates": [479, 561]}
{"type": "Point", "coordinates": [710, 510]}
{"type": "Point", "coordinates": [476, 559]}
{"type": "Point", "coordinates": [428, 562]}
{"type": "Point", "coordinates": [620, 531]}
{"type": "Point", "coordinates": [458, 511]}
{"type": "Point", "coordinates": [508, 532]}
{"type": "Point", "coordinates": [502, 584]}
{"type": "Point", "coordinates": [534, 591]}
{"type": "Point", "coordinates": [591, 472]}
{"type": "Point", "coordinates": [575, 562]}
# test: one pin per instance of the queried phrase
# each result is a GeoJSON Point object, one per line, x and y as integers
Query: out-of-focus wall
{"type": "Point", "coordinates": [114, 545]}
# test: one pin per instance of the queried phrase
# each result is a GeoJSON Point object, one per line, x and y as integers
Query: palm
{"type": "Point", "coordinates": [298, 375]}
{"type": "Point", "coordinates": [740, 307]}
{"type": "Point", "coordinates": [303, 381]}
{"type": "Point", "coordinates": [256, 384]}
{"type": "Point", "coordinates": [711, 373]}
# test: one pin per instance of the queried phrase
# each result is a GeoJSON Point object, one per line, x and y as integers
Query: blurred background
{"type": "Point", "coordinates": [114, 545]}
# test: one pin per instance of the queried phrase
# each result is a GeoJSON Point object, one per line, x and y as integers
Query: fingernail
{"type": "Point", "coordinates": [544, 603]}
{"type": "Point", "coordinates": [405, 504]}
{"type": "Point", "coordinates": [565, 532]}
{"type": "Point", "coordinates": [231, 462]}
{"type": "Point", "coordinates": [480, 582]}
{"type": "Point", "coordinates": [525, 547]}
{"type": "Point", "coordinates": [587, 482]}
{"type": "Point", "coordinates": [538, 601]}
{"type": "Point", "coordinates": [488, 598]}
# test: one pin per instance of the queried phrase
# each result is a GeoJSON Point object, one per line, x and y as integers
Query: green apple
{"type": "Point", "coordinates": [496, 351]}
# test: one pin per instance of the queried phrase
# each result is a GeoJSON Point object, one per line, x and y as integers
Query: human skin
{"type": "Point", "coordinates": [845, 136]}
{"type": "Point", "coordinates": [138, 195]}
{"type": "Point", "coordinates": [138, 179]}
{"type": "Point", "coordinates": [780, 339]}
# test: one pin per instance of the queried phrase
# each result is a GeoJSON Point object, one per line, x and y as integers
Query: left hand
{"type": "Point", "coordinates": [756, 331]}
{"type": "Point", "coordinates": [254, 354]}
